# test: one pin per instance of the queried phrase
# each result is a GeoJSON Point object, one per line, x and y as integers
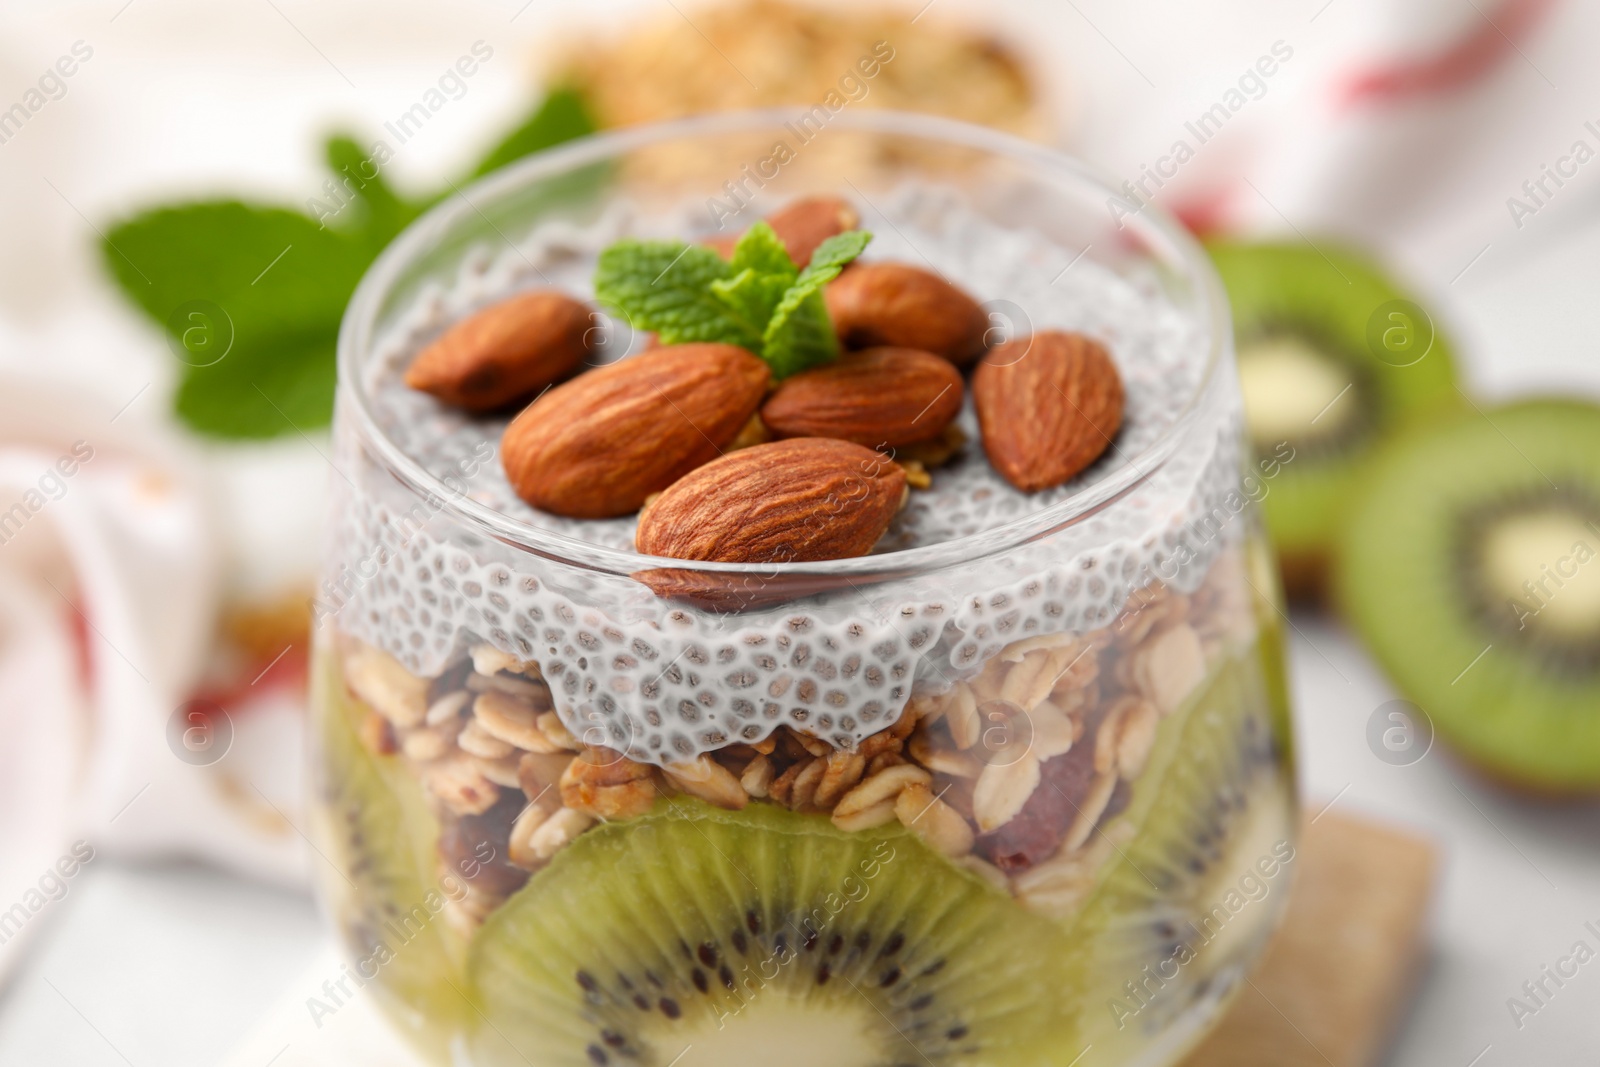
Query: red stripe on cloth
{"type": "Point", "coordinates": [286, 673]}
{"type": "Point", "coordinates": [1206, 214]}
{"type": "Point", "coordinates": [1470, 59]}
{"type": "Point", "coordinates": [83, 649]}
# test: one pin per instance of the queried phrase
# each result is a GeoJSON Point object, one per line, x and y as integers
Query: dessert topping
{"type": "Point", "coordinates": [907, 307]}
{"type": "Point", "coordinates": [597, 446]}
{"type": "Point", "coordinates": [1048, 404]}
{"type": "Point", "coordinates": [810, 498]}
{"type": "Point", "coordinates": [883, 397]}
{"type": "Point", "coordinates": [506, 352]}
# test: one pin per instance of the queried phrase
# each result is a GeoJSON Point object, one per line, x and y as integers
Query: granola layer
{"type": "Point", "coordinates": [1009, 773]}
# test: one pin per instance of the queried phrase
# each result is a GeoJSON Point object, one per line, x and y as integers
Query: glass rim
{"type": "Point", "coordinates": [356, 334]}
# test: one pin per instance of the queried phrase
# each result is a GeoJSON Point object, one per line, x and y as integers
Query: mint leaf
{"type": "Point", "coordinates": [228, 252]}
{"type": "Point", "coordinates": [749, 296]}
{"type": "Point", "coordinates": [665, 286]}
{"type": "Point", "coordinates": [280, 282]}
{"type": "Point", "coordinates": [379, 213]}
{"type": "Point", "coordinates": [281, 279]}
{"type": "Point", "coordinates": [835, 254]}
{"type": "Point", "coordinates": [262, 389]}
{"type": "Point", "coordinates": [761, 251]}
{"type": "Point", "coordinates": [758, 300]}
{"type": "Point", "coordinates": [562, 117]}
{"type": "Point", "coordinates": [799, 334]}
{"type": "Point", "coordinates": [765, 272]}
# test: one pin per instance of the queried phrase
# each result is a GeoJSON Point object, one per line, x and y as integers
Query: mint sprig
{"type": "Point", "coordinates": [758, 299]}
{"type": "Point", "coordinates": [800, 334]}
{"type": "Point", "coordinates": [275, 280]}
{"type": "Point", "coordinates": [665, 286]}
{"type": "Point", "coordinates": [763, 272]}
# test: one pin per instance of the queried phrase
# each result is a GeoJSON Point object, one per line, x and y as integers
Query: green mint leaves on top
{"type": "Point", "coordinates": [758, 299]}
{"type": "Point", "coordinates": [665, 286]}
{"type": "Point", "coordinates": [762, 273]}
{"type": "Point", "coordinates": [800, 334]}
{"type": "Point", "coordinates": [273, 281]}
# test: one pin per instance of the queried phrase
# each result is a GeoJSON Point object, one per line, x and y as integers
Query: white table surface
{"type": "Point", "coordinates": [172, 965]}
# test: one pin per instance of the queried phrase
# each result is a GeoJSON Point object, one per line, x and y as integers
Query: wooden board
{"type": "Point", "coordinates": [1338, 976]}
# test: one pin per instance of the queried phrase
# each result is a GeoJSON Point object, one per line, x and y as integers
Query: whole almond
{"type": "Point", "coordinates": [598, 445]}
{"type": "Point", "coordinates": [1048, 405]}
{"type": "Point", "coordinates": [505, 352]}
{"type": "Point", "coordinates": [903, 306]}
{"type": "Point", "coordinates": [801, 225]}
{"type": "Point", "coordinates": [883, 397]}
{"type": "Point", "coordinates": [789, 501]}
{"type": "Point", "coordinates": [807, 222]}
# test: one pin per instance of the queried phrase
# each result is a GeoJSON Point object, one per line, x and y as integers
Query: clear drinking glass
{"type": "Point", "coordinates": [1015, 786]}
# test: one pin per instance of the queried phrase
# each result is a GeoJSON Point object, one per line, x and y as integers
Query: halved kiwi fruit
{"type": "Point", "coordinates": [765, 937]}
{"type": "Point", "coordinates": [373, 826]}
{"type": "Point", "coordinates": [1471, 565]}
{"type": "Point", "coordinates": [1331, 355]}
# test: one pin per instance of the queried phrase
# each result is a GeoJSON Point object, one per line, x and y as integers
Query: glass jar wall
{"type": "Point", "coordinates": [1014, 786]}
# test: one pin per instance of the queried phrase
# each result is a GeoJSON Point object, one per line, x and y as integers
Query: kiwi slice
{"type": "Point", "coordinates": [1471, 565]}
{"type": "Point", "coordinates": [1170, 922]}
{"type": "Point", "coordinates": [373, 825]}
{"type": "Point", "coordinates": [1270, 653]}
{"type": "Point", "coordinates": [1331, 355]}
{"type": "Point", "coordinates": [765, 937]}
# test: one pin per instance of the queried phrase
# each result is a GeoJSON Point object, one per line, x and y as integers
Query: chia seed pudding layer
{"type": "Point", "coordinates": [662, 682]}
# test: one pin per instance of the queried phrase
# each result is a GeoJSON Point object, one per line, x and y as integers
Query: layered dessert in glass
{"type": "Point", "coordinates": [693, 692]}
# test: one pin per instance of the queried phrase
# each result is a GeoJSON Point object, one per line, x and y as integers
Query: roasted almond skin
{"type": "Point", "coordinates": [902, 306]}
{"type": "Point", "coordinates": [597, 446]}
{"type": "Point", "coordinates": [1048, 406]}
{"type": "Point", "coordinates": [807, 222]}
{"type": "Point", "coordinates": [716, 591]}
{"type": "Point", "coordinates": [801, 225]}
{"type": "Point", "coordinates": [723, 244]}
{"type": "Point", "coordinates": [506, 352]}
{"type": "Point", "coordinates": [881, 398]}
{"type": "Point", "coordinates": [810, 498]}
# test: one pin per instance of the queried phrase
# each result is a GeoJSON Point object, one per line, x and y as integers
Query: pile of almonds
{"type": "Point", "coordinates": [728, 465]}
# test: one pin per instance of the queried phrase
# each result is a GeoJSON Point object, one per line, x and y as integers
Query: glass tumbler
{"type": "Point", "coordinates": [1014, 789]}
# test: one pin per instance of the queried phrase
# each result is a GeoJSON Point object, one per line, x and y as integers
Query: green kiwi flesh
{"type": "Point", "coordinates": [1212, 810]}
{"type": "Point", "coordinates": [1469, 565]}
{"type": "Point", "coordinates": [1327, 363]}
{"type": "Point", "coordinates": [373, 826]}
{"type": "Point", "coordinates": [765, 937]}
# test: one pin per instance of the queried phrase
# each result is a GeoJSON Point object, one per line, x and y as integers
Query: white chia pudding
{"type": "Point", "coordinates": [666, 683]}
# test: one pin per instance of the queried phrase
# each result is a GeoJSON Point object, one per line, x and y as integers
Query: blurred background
{"type": "Point", "coordinates": [160, 526]}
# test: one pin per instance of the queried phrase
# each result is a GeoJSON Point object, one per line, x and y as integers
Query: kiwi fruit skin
{"type": "Point", "coordinates": [1271, 652]}
{"type": "Point", "coordinates": [1218, 797]}
{"type": "Point", "coordinates": [591, 962]}
{"type": "Point", "coordinates": [372, 822]}
{"type": "Point", "coordinates": [1523, 714]}
{"type": "Point", "coordinates": [1327, 294]}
